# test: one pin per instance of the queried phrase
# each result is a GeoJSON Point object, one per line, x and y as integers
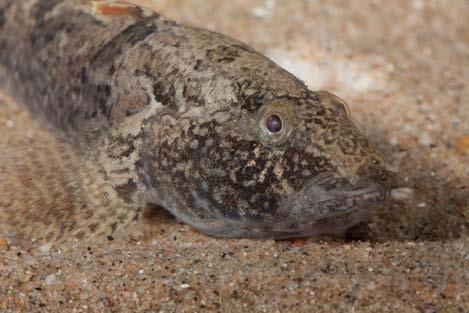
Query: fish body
{"type": "Point", "coordinates": [153, 111]}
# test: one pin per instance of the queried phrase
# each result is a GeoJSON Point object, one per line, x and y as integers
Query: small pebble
{"type": "Point", "coordinates": [371, 285]}
{"type": "Point", "coordinates": [462, 144]}
{"type": "Point", "coordinates": [3, 244]}
{"type": "Point", "coordinates": [50, 279]}
{"type": "Point", "coordinates": [299, 242]}
{"type": "Point", "coordinates": [45, 248]}
{"type": "Point", "coordinates": [425, 139]}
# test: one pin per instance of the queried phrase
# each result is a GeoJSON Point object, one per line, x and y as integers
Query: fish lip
{"type": "Point", "coordinates": [314, 211]}
{"type": "Point", "coordinates": [318, 200]}
{"type": "Point", "coordinates": [366, 190]}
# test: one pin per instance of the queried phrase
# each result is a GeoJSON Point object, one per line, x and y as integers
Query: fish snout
{"type": "Point", "coordinates": [329, 195]}
{"type": "Point", "coordinates": [378, 174]}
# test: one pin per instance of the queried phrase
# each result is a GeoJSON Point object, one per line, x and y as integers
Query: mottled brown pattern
{"type": "Point", "coordinates": [174, 115]}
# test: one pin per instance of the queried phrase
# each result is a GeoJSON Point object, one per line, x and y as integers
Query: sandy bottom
{"type": "Point", "coordinates": [403, 67]}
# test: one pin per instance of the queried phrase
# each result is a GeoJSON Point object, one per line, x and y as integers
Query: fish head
{"type": "Point", "coordinates": [289, 168]}
{"type": "Point", "coordinates": [284, 167]}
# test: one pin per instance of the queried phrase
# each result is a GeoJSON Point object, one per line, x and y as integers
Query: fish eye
{"type": "Point", "coordinates": [274, 123]}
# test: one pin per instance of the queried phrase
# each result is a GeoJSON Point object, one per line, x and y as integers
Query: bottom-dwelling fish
{"type": "Point", "coordinates": [152, 111]}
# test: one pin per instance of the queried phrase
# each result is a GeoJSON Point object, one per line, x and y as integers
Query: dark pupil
{"type": "Point", "coordinates": [274, 123]}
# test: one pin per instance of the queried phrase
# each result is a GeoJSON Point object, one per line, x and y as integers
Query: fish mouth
{"type": "Point", "coordinates": [327, 205]}
{"type": "Point", "coordinates": [329, 195]}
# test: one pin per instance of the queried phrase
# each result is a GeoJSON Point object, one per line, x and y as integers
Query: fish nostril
{"type": "Point", "coordinates": [384, 192]}
{"type": "Point", "coordinates": [378, 174]}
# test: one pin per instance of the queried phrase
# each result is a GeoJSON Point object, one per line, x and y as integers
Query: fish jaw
{"type": "Point", "coordinates": [314, 211]}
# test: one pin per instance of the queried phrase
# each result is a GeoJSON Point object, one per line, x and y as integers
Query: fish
{"type": "Point", "coordinates": [145, 110]}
